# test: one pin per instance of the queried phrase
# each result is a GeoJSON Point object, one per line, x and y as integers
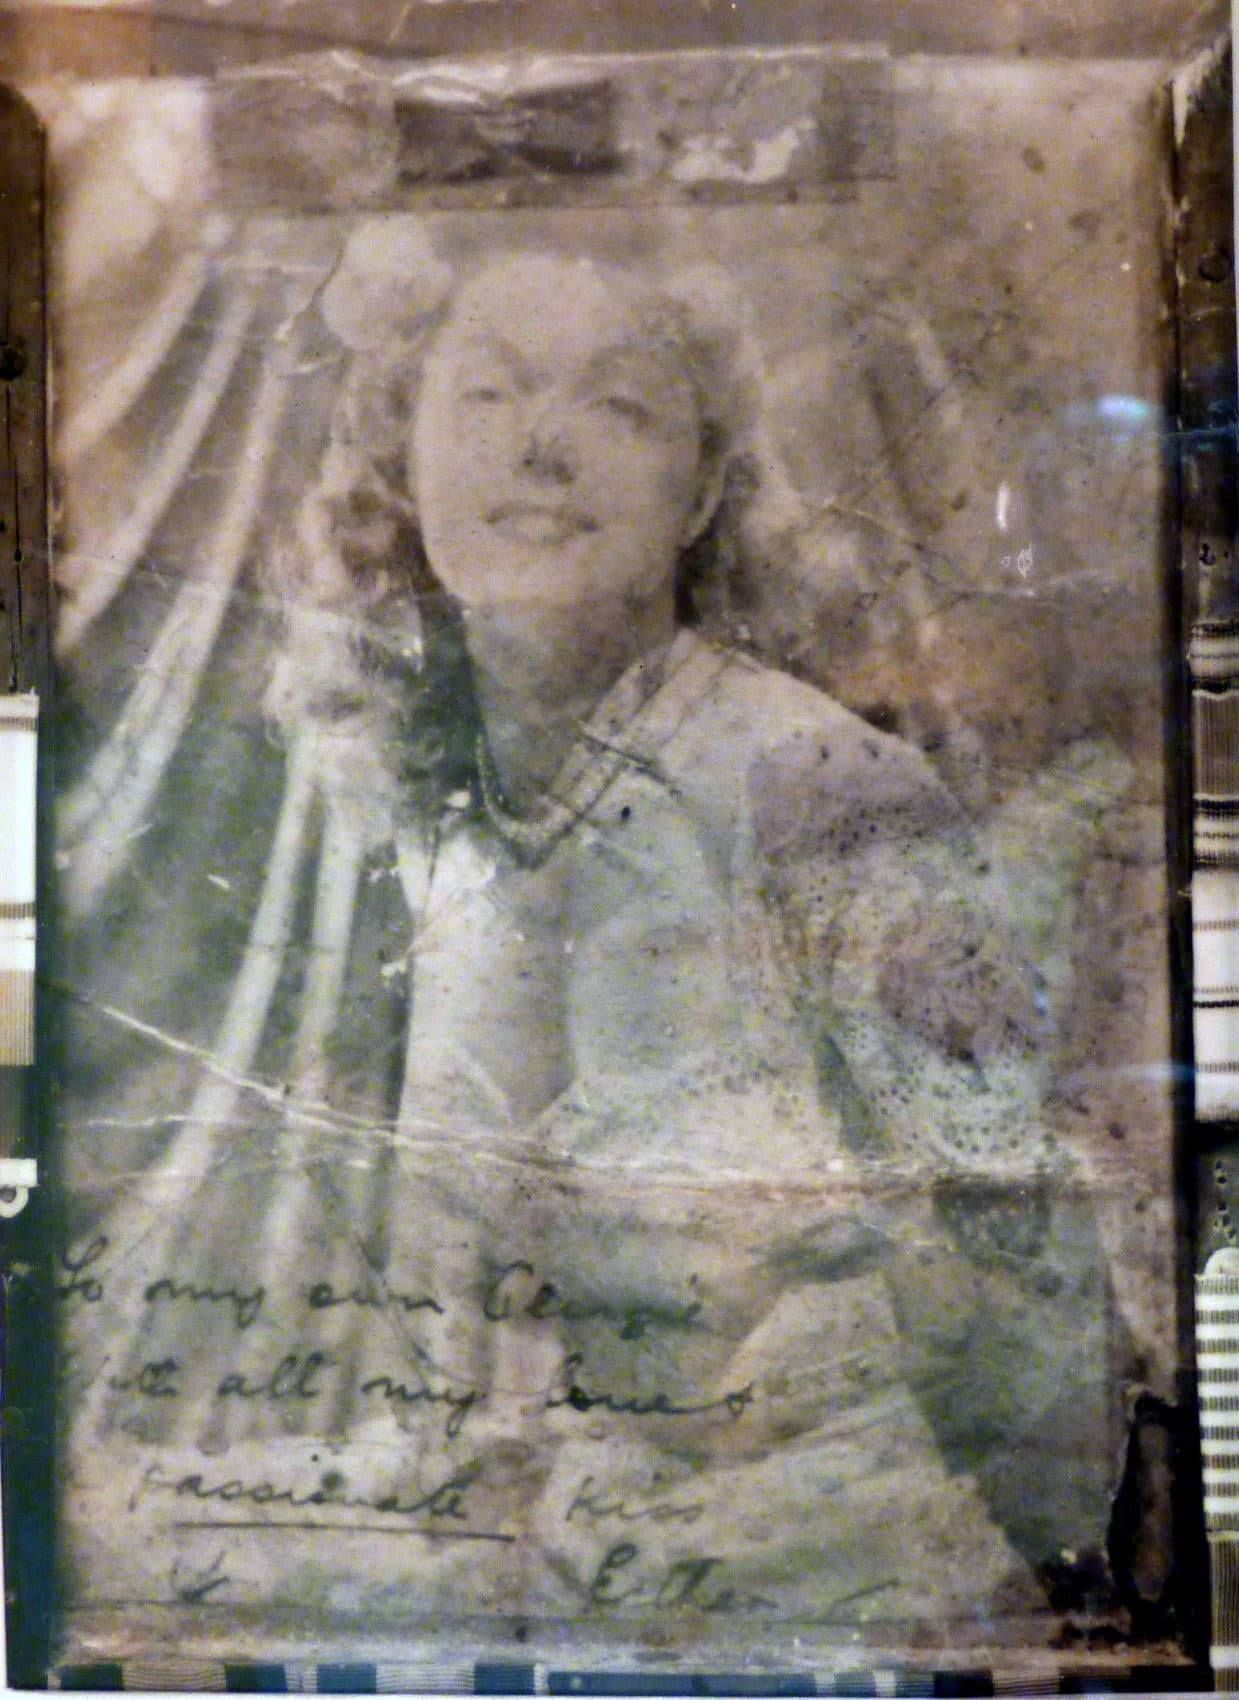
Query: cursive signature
{"type": "Point", "coordinates": [687, 1584]}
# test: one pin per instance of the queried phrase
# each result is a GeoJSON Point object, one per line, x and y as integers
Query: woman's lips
{"type": "Point", "coordinates": [547, 524]}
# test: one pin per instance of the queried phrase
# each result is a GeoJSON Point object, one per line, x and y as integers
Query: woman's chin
{"type": "Point", "coordinates": [507, 578]}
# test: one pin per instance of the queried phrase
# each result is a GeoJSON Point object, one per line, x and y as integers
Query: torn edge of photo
{"type": "Point", "coordinates": [632, 750]}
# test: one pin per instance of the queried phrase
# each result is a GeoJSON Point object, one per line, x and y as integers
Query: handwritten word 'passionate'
{"type": "Point", "coordinates": [446, 1499]}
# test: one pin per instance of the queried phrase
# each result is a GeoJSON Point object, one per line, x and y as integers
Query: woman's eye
{"type": "Point", "coordinates": [628, 408]}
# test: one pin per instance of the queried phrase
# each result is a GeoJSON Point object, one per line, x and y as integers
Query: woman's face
{"type": "Point", "coordinates": [556, 451]}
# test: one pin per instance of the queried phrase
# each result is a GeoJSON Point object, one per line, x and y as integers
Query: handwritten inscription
{"type": "Point", "coordinates": [308, 1375]}
{"type": "Point", "coordinates": [518, 1290]}
{"type": "Point", "coordinates": [459, 1403]}
{"type": "Point", "coordinates": [155, 1380]}
{"type": "Point", "coordinates": [245, 1306]}
{"type": "Point", "coordinates": [298, 1376]}
{"type": "Point", "coordinates": [448, 1497]}
{"type": "Point", "coordinates": [687, 1583]}
{"type": "Point", "coordinates": [656, 1404]}
{"type": "Point", "coordinates": [462, 1473]}
{"type": "Point", "coordinates": [597, 1504]}
{"type": "Point", "coordinates": [323, 1296]}
{"type": "Point", "coordinates": [292, 1378]}
{"type": "Point", "coordinates": [295, 1377]}
{"type": "Point", "coordinates": [621, 1576]}
{"type": "Point", "coordinates": [191, 1588]}
{"type": "Point", "coordinates": [87, 1287]}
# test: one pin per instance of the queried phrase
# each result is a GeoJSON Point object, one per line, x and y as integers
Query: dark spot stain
{"type": "Point", "coordinates": [882, 716]}
{"type": "Point", "coordinates": [1087, 222]}
{"type": "Point", "coordinates": [959, 501]}
{"type": "Point", "coordinates": [12, 361]}
{"type": "Point", "coordinates": [626, 812]}
{"type": "Point", "coordinates": [1033, 158]}
{"type": "Point", "coordinates": [1215, 267]}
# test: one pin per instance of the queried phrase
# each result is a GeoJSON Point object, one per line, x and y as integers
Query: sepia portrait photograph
{"type": "Point", "coordinates": [611, 982]}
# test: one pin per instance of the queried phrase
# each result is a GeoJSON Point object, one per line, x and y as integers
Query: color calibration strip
{"type": "Point", "coordinates": [19, 725]}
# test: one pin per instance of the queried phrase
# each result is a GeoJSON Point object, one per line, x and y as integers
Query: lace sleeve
{"type": "Point", "coordinates": [929, 1012]}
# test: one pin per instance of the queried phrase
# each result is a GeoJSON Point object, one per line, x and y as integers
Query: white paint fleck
{"type": "Point", "coordinates": [711, 158]}
{"type": "Point", "coordinates": [1190, 79]}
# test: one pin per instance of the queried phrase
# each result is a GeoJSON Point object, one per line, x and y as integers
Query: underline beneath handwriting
{"type": "Point", "coordinates": [353, 1529]}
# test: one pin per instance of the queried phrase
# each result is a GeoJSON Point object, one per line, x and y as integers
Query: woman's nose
{"type": "Point", "coordinates": [547, 452]}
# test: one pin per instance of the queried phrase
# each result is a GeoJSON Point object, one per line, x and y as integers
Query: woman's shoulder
{"type": "Point", "coordinates": [811, 775]}
{"type": "Point", "coordinates": [767, 717]}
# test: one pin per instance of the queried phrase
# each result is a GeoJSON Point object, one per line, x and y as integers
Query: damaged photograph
{"type": "Point", "coordinates": [611, 980]}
